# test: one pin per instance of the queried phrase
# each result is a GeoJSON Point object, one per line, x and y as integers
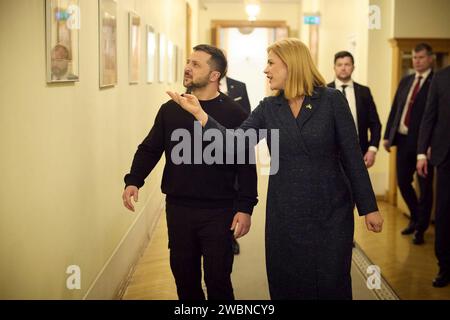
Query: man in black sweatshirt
{"type": "Point", "coordinates": [204, 210]}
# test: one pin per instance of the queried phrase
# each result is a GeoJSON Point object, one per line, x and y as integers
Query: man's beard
{"type": "Point", "coordinates": [198, 84]}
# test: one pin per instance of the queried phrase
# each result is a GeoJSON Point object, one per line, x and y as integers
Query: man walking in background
{"type": "Point", "coordinates": [237, 91]}
{"type": "Point", "coordinates": [361, 105]}
{"type": "Point", "coordinates": [435, 134]}
{"type": "Point", "coordinates": [402, 130]}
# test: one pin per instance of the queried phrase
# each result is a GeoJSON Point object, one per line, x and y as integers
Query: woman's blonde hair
{"type": "Point", "coordinates": [303, 75]}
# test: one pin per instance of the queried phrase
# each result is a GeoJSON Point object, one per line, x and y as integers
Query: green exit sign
{"type": "Point", "coordinates": [311, 19]}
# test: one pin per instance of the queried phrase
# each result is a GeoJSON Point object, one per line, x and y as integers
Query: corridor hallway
{"type": "Point", "coordinates": [407, 268]}
{"type": "Point", "coordinates": [71, 121]}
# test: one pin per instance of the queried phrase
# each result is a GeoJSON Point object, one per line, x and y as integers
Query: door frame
{"type": "Point", "coordinates": [217, 24]}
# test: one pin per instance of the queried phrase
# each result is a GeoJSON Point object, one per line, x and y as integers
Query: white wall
{"type": "Point", "coordinates": [195, 21]}
{"type": "Point", "coordinates": [65, 150]}
{"type": "Point", "coordinates": [343, 26]}
{"type": "Point", "coordinates": [379, 80]}
{"type": "Point", "coordinates": [422, 19]}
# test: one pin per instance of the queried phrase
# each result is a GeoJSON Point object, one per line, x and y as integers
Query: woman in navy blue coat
{"type": "Point", "coordinates": [321, 175]}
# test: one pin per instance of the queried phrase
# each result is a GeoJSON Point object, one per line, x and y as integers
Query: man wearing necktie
{"type": "Point", "coordinates": [361, 105]}
{"type": "Point", "coordinates": [402, 130]}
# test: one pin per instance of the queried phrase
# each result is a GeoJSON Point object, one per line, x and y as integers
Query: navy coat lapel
{"type": "Point", "coordinates": [288, 121]}
{"type": "Point", "coordinates": [309, 106]}
{"type": "Point", "coordinates": [294, 126]}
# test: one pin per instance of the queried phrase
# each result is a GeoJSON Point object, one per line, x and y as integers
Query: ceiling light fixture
{"type": "Point", "coordinates": [252, 7]}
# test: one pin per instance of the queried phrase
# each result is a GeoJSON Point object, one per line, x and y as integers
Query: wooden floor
{"type": "Point", "coordinates": [152, 278]}
{"type": "Point", "coordinates": [409, 269]}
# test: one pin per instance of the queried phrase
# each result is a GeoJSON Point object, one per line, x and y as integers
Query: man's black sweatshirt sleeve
{"type": "Point", "coordinates": [148, 153]}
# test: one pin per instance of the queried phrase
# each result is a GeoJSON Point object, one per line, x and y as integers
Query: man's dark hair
{"type": "Point", "coordinates": [218, 62]}
{"type": "Point", "coordinates": [424, 46]}
{"type": "Point", "coordinates": [343, 54]}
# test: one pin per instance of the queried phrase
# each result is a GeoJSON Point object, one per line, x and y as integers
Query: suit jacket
{"type": "Point", "coordinates": [434, 129]}
{"type": "Point", "coordinates": [367, 115]}
{"type": "Point", "coordinates": [237, 91]}
{"type": "Point", "coordinates": [417, 111]}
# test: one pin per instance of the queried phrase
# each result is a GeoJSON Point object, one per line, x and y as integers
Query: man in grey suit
{"type": "Point", "coordinates": [434, 133]}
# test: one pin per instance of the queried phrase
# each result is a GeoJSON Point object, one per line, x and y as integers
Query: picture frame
{"type": "Point", "coordinates": [151, 54]}
{"type": "Point", "coordinates": [107, 43]}
{"type": "Point", "coordinates": [62, 19]}
{"type": "Point", "coordinates": [134, 48]}
{"type": "Point", "coordinates": [171, 62]}
{"type": "Point", "coordinates": [180, 65]}
{"type": "Point", "coordinates": [162, 58]}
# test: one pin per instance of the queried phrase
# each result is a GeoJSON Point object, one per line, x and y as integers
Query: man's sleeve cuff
{"type": "Point", "coordinates": [131, 180]}
{"type": "Point", "coordinates": [374, 149]}
{"type": "Point", "coordinates": [245, 207]}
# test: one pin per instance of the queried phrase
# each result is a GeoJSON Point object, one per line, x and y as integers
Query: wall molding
{"type": "Point", "coordinates": [112, 280]}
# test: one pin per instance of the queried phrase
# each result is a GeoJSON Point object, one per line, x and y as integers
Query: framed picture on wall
{"type": "Point", "coordinates": [108, 42]}
{"type": "Point", "coordinates": [170, 62]}
{"type": "Point", "coordinates": [151, 54]}
{"type": "Point", "coordinates": [62, 35]}
{"type": "Point", "coordinates": [180, 64]}
{"type": "Point", "coordinates": [134, 48]}
{"type": "Point", "coordinates": [177, 63]}
{"type": "Point", "coordinates": [162, 58]}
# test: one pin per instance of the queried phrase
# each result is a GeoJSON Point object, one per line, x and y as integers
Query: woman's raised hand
{"type": "Point", "coordinates": [188, 102]}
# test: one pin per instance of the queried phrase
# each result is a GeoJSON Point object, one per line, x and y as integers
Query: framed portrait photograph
{"type": "Point", "coordinates": [151, 54]}
{"type": "Point", "coordinates": [162, 58]}
{"type": "Point", "coordinates": [108, 42]}
{"type": "Point", "coordinates": [62, 38]}
{"type": "Point", "coordinates": [134, 48]}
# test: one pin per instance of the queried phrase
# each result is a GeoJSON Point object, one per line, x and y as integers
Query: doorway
{"type": "Point", "coordinates": [245, 44]}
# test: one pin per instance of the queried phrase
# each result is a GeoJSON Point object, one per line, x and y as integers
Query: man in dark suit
{"type": "Point", "coordinates": [361, 105]}
{"type": "Point", "coordinates": [434, 133]}
{"type": "Point", "coordinates": [237, 91]}
{"type": "Point", "coordinates": [402, 130]}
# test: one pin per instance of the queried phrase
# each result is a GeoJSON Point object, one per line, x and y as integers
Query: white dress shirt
{"type": "Point", "coordinates": [350, 95]}
{"type": "Point", "coordinates": [223, 86]}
